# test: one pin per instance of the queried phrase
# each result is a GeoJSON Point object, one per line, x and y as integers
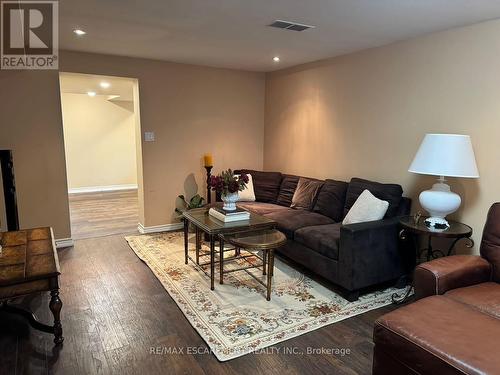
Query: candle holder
{"type": "Point", "coordinates": [209, 193]}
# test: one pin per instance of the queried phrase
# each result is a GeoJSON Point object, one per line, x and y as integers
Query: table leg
{"type": "Point", "coordinates": [186, 233]}
{"type": "Point", "coordinates": [212, 261]}
{"type": "Point", "coordinates": [221, 261]}
{"type": "Point", "coordinates": [55, 307]}
{"type": "Point", "coordinates": [32, 319]}
{"type": "Point", "coordinates": [416, 252]}
{"type": "Point", "coordinates": [397, 299]}
{"type": "Point", "coordinates": [270, 267]}
{"type": "Point", "coordinates": [198, 245]}
{"type": "Point", "coordinates": [264, 256]}
{"type": "Point", "coordinates": [270, 273]}
{"type": "Point", "coordinates": [429, 249]}
{"type": "Point", "coordinates": [470, 244]}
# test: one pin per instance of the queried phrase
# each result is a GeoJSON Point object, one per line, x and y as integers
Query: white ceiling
{"type": "Point", "coordinates": [233, 33]}
{"type": "Point", "coordinates": [120, 89]}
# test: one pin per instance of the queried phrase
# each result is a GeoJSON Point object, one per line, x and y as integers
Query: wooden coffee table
{"type": "Point", "coordinates": [204, 223]}
{"type": "Point", "coordinates": [29, 265]}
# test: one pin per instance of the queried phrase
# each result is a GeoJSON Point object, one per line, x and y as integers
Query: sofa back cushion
{"type": "Point", "coordinates": [404, 207]}
{"type": "Point", "coordinates": [265, 184]}
{"type": "Point", "coordinates": [331, 200]}
{"type": "Point", "coordinates": [306, 193]}
{"type": "Point", "coordinates": [490, 244]}
{"type": "Point", "coordinates": [391, 193]}
{"type": "Point", "coordinates": [287, 189]}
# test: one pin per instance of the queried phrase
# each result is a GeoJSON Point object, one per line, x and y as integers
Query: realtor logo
{"type": "Point", "coordinates": [30, 37]}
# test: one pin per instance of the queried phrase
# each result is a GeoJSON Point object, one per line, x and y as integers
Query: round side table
{"type": "Point", "coordinates": [266, 241]}
{"type": "Point", "coordinates": [410, 227]}
{"type": "Point", "coordinates": [456, 231]}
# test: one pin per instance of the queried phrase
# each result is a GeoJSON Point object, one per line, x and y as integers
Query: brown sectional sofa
{"type": "Point", "coordinates": [355, 256]}
{"type": "Point", "coordinates": [454, 327]}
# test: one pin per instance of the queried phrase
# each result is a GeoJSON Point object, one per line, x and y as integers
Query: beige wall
{"type": "Point", "coordinates": [365, 114]}
{"type": "Point", "coordinates": [359, 115]}
{"type": "Point", "coordinates": [31, 126]}
{"type": "Point", "coordinates": [191, 109]}
{"type": "Point", "coordinates": [99, 138]}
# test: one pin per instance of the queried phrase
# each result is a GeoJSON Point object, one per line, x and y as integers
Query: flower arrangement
{"type": "Point", "coordinates": [226, 183]}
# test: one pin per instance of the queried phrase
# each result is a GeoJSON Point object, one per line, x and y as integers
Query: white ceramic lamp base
{"type": "Point", "coordinates": [439, 201]}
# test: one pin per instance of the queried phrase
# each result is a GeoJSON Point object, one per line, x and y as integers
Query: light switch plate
{"type": "Point", "coordinates": [149, 136]}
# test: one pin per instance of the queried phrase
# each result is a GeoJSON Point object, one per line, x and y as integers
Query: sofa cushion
{"type": "Point", "coordinates": [404, 207]}
{"type": "Point", "coordinates": [484, 297]}
{"type": "Point", "coordinates": [289, 220]}
{"type": "Point", "coordinates": [306, 193]}
{"type": "Point", "coordinates": [266, 184]}
{"type": "Point", "coordinates": [248, 193]}
{"type": "Point", "coordinates": [331, 199]}
{"type": "Point", "coordinates": [391, 193]}
{"type": "Point", "coordinates": [323, 239]}
{"type": "Point", "coordinates": [366, 208]}
{"type": "Point", "coordinates": [261, 208]}
{"type": "Point", "coordinates": [437, 335]}
{"type": "Point", "coordinates": [287, 189]}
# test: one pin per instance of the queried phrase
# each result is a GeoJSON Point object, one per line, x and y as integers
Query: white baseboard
{"type": "Point", "coordinates": [93, 189]}
{"type": "Point", "coordinates": [64, 242]}
{"type": "Point", "coordinates": [159, 228]}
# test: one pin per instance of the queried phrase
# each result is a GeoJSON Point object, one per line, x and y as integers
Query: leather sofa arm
{"type": "Point", "coordinates": [443, 274]}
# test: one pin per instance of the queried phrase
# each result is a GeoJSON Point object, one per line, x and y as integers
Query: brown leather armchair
{"type": "Point", "coordinates": [445, 274]}
{"type": "Point", "coordinates": [454, 326]}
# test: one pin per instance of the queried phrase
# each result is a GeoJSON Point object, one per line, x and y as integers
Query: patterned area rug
{"type": "Point", "coordinates": [235, 319]}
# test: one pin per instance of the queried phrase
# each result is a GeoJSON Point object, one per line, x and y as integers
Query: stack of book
{"type": "Point", "coordinates": [229, 216]}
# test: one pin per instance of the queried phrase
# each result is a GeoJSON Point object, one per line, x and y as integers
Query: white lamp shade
{"type": "Point", "coordinates": [445, 155]}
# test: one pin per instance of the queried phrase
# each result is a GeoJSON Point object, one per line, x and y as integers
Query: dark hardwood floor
{"type": "Point", "coordinates": [103, 213]}
{"type": "Point", "coordinates": [115, 311]}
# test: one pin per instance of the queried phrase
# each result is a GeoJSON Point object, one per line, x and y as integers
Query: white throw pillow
{"type": "Point", "coordinates": [366, 208]}
{"type": "Point", "coordinates": [247, 195]}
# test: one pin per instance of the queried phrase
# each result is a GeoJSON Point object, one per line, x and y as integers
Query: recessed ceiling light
{"type": "Point", "coordinates": [91, 93]}
{"type": "Point", "coordinates": [79, 32]}
{"type": "Point", "coordinates": [276, 59]}
{"type": "Point", "coordinates": [105, 84]}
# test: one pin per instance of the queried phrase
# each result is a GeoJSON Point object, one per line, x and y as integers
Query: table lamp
{"type": "Point", "coordinates": [443, 155]}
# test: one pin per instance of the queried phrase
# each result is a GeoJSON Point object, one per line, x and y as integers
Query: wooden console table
{"type": "Point", "coordinates": [28, 265]}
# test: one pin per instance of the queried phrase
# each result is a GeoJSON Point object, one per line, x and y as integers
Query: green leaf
{"type": "Point", "coordinates": [196, 201]}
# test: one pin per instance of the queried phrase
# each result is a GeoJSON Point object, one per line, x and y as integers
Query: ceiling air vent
{"type": "Point", "coordinates": [280, 24]}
